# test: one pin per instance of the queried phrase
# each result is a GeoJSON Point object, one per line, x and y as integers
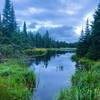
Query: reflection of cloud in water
{"type": "Point", "coordinates": [56, 76]}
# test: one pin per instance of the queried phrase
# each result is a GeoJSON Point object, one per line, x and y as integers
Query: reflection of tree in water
{"type": "Point", "coordinates": [46, 58]}
{"type": "Point", "coordinates": [60, 68]}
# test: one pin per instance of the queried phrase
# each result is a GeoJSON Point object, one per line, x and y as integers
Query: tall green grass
{"type": "Point", "coordinates": [85, 83]}
{"type": "Point", "coordinates": [16, 81]}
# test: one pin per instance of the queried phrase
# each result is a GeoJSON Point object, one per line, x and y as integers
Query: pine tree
{"type": "Point", "coordinates": [25, 28]}
{"type": "Point", "coordinates": [1, 30]}
{"type": "Point", "coordinates": [87, 29]}
{"type": "Point", "coordinates": [13, 19]}
{"type": "Point", "coordinates": [9, 23]}
{"type": "Point", "coordinates": [0, 23]}
{"type": "Point", "coordinates": [25, 38]}
{"type": "Point", "coordinates": [94, 51]}
{"type": "Point", "coordinates": [84, 41]}
{"type": "Point", "coordinates": [38, 40]}
{"type": "Point", "coordinates": [47, 40]}
{"type": "Point", "coordinates": [80, 45]}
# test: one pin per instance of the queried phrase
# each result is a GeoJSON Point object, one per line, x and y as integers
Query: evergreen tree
{"type": "Point", "coordinates": [0, 29]}
{"type": "Point", "coordinates": [25, 37]}
{"type": "Point", "coordinates": [87, 38]}
{"type": "Point", "coordinates": [25, 28]}
{"type": "Point", "coordinates": [87, 30]}
{"type": "Point", "coordinates": [38, 40]}
{"type": "Point", "coordinates": [80, 46]}
{"type": "Point", "coordinates": [13, 20]}
{"type": "Point", "coordinates": [94, 51]}
{"type": "Point", "coordinates": [46, 40]}
{"type": "Point", "coordinates": [84, 42]}
{"type": "Point", "coordinates": [9, 23]}
{"type": "Point", "coordinates": [0, 23]}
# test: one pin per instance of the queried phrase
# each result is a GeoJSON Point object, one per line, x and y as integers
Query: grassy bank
{"type": "Point", "coordinates": [16, 80]}
{"type": "Point", "coordinates": [85, 83]}
{"type": "Point", "coordinates": [42, 51]}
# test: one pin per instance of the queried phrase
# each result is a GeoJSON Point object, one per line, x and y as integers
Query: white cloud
{"type": "Point", "coordinates": [78, 30]}
{"type": "Point", "coordinates": [48, 24]}
{"type": "Point", "coordinates": [69, 12]}
{"type": "Point", "coordinates": [33, 10]}
{"type": "Point", "coordinates": [30, 11]}
{"type": "Point", "coordinates": [89, 16]}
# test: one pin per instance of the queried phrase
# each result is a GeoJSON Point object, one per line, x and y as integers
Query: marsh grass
{"type": "Point", "coordinates": [85, 83]}
{"type": "Point", "coordinates": [16, 81]}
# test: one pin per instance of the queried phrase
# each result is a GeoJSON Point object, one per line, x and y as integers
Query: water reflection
{"type": "Point", "coordinates": [60, 68]}
{"type": "Point", "coordinates": [53, 72]}
{"type": "Point", "coordinates": [46, 58]}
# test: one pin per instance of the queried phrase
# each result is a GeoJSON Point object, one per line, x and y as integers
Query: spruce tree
{"type": "Point", "coordinates": [46, 39]}
{"type": "Point", "coordinates": [25, 37]}
{"type": "Point", "coordinates": [80, 45]}
{"type": "Point", "coordinates": [38, 40]}
{"type": "Point", "coordinates": [9, 23]}
{"type": "Point", "coordinates": [1, 30]}
{"type": "Point", "coordinates": [94, 51]}
{"type": "Point", "coordinates": [13, 19]}
{"type": "Point", "coordinates": [84, 41]}
{"type": "Point", "coordinates": [0, 23]}
{"type": "Point", "coordinates": [87, 37]}
{"type": "Point", "coordinates": [25, 28]}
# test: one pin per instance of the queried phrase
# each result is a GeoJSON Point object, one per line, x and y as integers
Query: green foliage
{"type": "Point", "coordinates": [85, 83]}
{"type": "Point", "coordinates": [35, 52]}
{"type": "Point", "coordinates": [6, 50]}
{"type": "Point", "coordinates": [43, 51]}
{"type": "Point", "coordinates": [16, 81]}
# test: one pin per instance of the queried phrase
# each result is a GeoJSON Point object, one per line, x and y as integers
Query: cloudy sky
{"type": "Point", "coordinates": [63, 18]}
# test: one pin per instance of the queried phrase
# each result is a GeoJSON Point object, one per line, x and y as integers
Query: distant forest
{"type": "Point", "coordinates": [14, 39]}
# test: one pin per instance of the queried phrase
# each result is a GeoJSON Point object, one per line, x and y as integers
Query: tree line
{"type": "Point", "coordinates": [13, 39]}
{"type": "Point", "coordinates": [89, 42]}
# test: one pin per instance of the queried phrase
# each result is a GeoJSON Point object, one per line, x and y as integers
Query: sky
{"type": "Point", "coordinates": [62, 18]}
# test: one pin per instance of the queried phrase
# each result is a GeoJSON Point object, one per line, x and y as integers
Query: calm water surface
{"type": "Point", "coordinates": [53, 74]}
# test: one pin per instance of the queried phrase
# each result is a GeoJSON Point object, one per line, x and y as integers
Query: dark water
{"type": "Point", "coordinates": [53, 74]}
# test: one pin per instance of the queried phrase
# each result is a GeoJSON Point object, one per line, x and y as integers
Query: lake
{"type": "Point", "coordinates": [53, 73]}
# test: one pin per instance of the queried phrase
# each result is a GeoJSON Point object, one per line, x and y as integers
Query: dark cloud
{"type": "Point", "coordinates": [60, 17]}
